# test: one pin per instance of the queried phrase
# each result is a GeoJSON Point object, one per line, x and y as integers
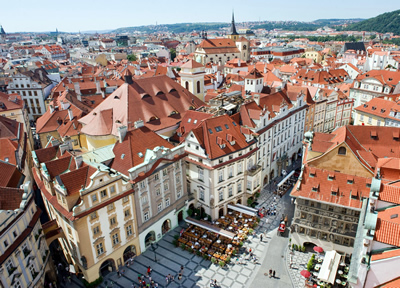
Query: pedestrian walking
{"type": "Point", "coordinates": [167, 279]}
{"type": "Point", "coordinates": [273, 274]}
{"type": "Point", "coordinates": [182, 269]}
{"type": "Point", "coordinates": [261, 237]}
{"type": "Point", "coordinates": [270, 273]}
{"type": "Point", "coordinates": [180, 276]}
{"type": "Point", "coordinates": [148, 271]}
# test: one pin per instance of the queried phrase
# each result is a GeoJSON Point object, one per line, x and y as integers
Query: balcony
{"type": "Point", "coordinates": [253, 170]}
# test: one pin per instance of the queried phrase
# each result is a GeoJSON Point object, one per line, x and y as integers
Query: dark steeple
{"type": "Point", "coordinates": [2, 32]}
{"type": "Point", "coordinates": [233, 28]}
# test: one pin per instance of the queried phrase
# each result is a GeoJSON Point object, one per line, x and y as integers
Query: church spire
{"type": "Point", "coordinates": [233, 28]}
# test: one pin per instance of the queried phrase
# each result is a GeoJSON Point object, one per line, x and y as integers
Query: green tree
{"type": "Point", "coordinates": [372, 37]}
{"type": "Point", "coordinates": [131, 57]}
{"type": "Point", "coordinates": [173, 53]}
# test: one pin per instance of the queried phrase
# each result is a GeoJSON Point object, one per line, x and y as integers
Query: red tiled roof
{"type": "Point", "coordinates": [8, 150]}
{"type": "Point", "coordinates": [394, 283]}
{"type": "Point", "coordinates": [10, 198]}
{"type": "Point", "coordinates": [385, 255]}
{"type": "Point", "coordinates": [191, 64]}
{"type": "Point", "coordinates": [158, 101]}
{"type": "Point", "coordinates": [74, 180]}
{"type": "Point", "coordinates": [214, 130]}
{"type": "Point", "coordinates": [135, 142]}
{"type": "Point", "coordinates": [254, 74]}
{"type": "Point", "coordinates": [46, 154]}
{"type": "Point", "coordinates": [348, 195]}
{"type": "Point", "coordinates": [191, 120]}
{"type": "Point", "coordinates": [388, 226]}
{"type": "Point", "coordinates": [10, 176]}
{"type": "Point", "coordinates": [9, 128]}
{"type": "Point", "coordinates": [10, 102]}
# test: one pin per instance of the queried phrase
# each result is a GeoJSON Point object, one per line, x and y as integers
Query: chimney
{"type": "Point", "coordinates": [98, 90]}
{"type": "Point", "coordinates": [51, 109]}
{"type": "Point", "coordinates": [122, 133]}
{"type": "Point", "coordinates": [64, 147]}
{"type": "Point", "coordinates": [257, 99]}
{"type": "Point", "coordinates": [78, 161]}
{"type": "Point", "coordinates": [103, 95]}
{"type": "Point", "coordinates": [77, 88]}
{"type": "Point", "coordinates": [139, 123]}
{"type": "Point", "coordinates": [70, 114]}
{"type": "Point", "coordinates": [239, 63]}
{"type": "Point", "coordinates": [40, 75]}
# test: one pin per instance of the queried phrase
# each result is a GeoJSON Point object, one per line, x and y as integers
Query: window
{"type": "Point", "coordinates": [342, 151]}
{"type": "Point", "coordinates": [111, 207]}
{"type": "Point", "coordinates": [166, 186]}
{"type": "Point", "coordinates": [143, 200]}
{"type": "Point", "coordinates": [361, 117]}
{"type": "Point", "coordinates": [158, 192]}
{"type": "Point", "coordinates": [167, 202]}
{"type": "Point", "coordinates": [69, 230]}
{"type": "Point", "coordinates": [369, 120]}
{"type": "Point", "coordinates": [93, 216]}
{"type": "Point", "coordinates": [146, 216]}
{"type": "Point", "coordinates": [201, 174]}
{"type": "Point", "coordinates": [142, 185]}
{"type": "Point", "coordinates": [248, 185]}
{"type": "Point", "coordinates": [179, 194]}
{"type": "Point", "coordinates": [96, 230]}
{"type": "Point", "coordinates": [5, 243]}
{"type": "Point", "coordinates": [221, 195]}
{"type": "Point", "coordinates": [178, 178]}
{"type": "Point", "coordinates": [94, 198]}
{"type": "Point", "coordinates": [159, 207]}
{"type": "Point", "coordinates": [240, 168]}
{"type": "Point", "coordinates": [230, 171]}
{"type": "Point", "coordinates": [125, 199]}
{"type": "Point", "coordinates": [112, 189]}
{"type": "Point", "coordinates": [201, 194]}
{"type": "Point", "coordinates": [103, 193]}
{"type": "Point", "coordinates": [112, 221]}
{"type": "Point", "coordinates": [156, 177]}
{"type": "Point", "coordinates": [164, 172]}
{"type": "Point", "coordinates": [129, 230]}
{"type": "Point", "coordinates": [100, 249]}
{"type": "Point", "coordinates": [230, 191]}
{"type": "Point", "coordinates": [221, 175]}
{"type": "Point", "coordinates": [10, 266]}
{"type": "Point", "coordinates": [127, 213]}
{"type": "Point", "coordinates": [239, 187]}
{"type": "Point", "coordinates": [115, 239]}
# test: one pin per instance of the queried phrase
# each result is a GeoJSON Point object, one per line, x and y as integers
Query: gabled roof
{"type": "Point", "coordinates": [132, 150]}
{"type": "Point", "coordinates": [8, 149]}
{"type": "Point", "coordinates": [10, 198]}
{"type": "Point", "coordinates": [254, 74]}
{"type": "Point", "coordinates": [74, 180]}
{"type": "Point", "coordinates": [388, 226]}
{"type": "Point", "coordinates": [159, 101]}
{"type": "Point", "coordinates": [10, 102]}
{"type": "Point", "coordinates": [192, 64]}
{"type": "Point", "coordinates": [10, 176]}
{"type": "Point", "coordinates": [336, 191]}
{"type": "Point", "coordinates": [9, 128]}
{"type": "Point", "coordinates": [191, 120]}
{"type": "Point", "coordinates": [220, 136]}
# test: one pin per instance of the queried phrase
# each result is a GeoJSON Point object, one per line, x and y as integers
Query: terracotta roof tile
{"type": "Point", "coordinates": [10, 198]}
{"type": "Point", "coordinates": [348, 195]}
{"type": "Point", "coordinates": [388, 226]}
{"type": "Point", "coordinates": [386, 255]}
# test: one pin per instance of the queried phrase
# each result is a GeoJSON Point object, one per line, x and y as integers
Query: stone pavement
{"type": "Point", "coordinates": [300, 261]}
{"type": "Point", "coordinates": [197, 271]}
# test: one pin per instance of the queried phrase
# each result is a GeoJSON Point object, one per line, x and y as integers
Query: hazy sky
{"type": "Point", "coordinates": [74, 15]}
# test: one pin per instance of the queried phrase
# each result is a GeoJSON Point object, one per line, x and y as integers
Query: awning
{"type": "Point", "coordinates": [285, 179]}
{"type": "Point", "coordinates": [210, 227]}
{"type": "Point", "coordinates": [329, 267]}
{"type": "Point", "coordinates": [243, 209]}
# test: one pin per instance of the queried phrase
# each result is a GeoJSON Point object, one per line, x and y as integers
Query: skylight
{"type": "Point", "coordinates": [218, 129]}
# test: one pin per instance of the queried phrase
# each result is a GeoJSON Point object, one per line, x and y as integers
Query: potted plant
{"type": "Point", "coordinates": [234, 252]}
{"type": "Point", "coordinates": [241, 244]}
{"type": "Point", "coordinates": [183, 246]}
{"type": "Point", "coordinates": [303, 249]}
{"type": "Point", "coordinates": [228, 259]}
{"type": "Point", "coordinates": [175, 242]}
{"type": "Point", "coordinates": [213, 260]}
{"type": "Point", "coordinates": [221, 263]}
{"type": "Point", "coordinates": [190, 249]}
{"type": "Point", "coordinates": [251, 231]}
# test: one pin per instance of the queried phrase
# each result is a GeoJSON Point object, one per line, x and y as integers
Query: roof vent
{"type": "Point", "coordinates": [394, 216]}
{"type": "Point", "coordinates": [122, 156]}
{"type": "Point", "coordinates": [140, 154]}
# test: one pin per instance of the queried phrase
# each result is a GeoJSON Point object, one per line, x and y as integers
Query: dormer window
{"type": "Point", "coordinates": [312, 173]}
{"type": "Point", "coordinates": [373, 108]}
{"type": "Point", "coordinates": [342, 151]}
{"type": "Point", "coordinates": [383, 110]}
{"type": "Point", "coordinates": [350, 180]}
{"type": "Point", "coordinates": [365, 105]}
{"type": "Point", "coordinates": [315, 188]}
{"type": "Point", "coordinates": [331, 176]}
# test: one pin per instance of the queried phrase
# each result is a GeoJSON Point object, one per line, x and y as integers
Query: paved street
{"type": "Point", "coordinates": [199, 272]}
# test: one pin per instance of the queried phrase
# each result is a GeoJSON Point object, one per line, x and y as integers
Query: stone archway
{"type": "Point", "coordinates": [150, 238]}
{"type": "Point", "coordinates": [221, 212]}
{"type": "Point", "coordinates": [271, 174]}
{"type": "Point", "coordinates": [293, 159]}
{"type": "Point", "coordinates": [106, 267]}
{"type": "Point", "coordinates": [166, 226]}
{"type": "Point", "coordinates": [265, 180]}
{"type": "Point", "coordinates": [180, 216]}
{"type": "Point", "coordinates": [239, 201]}
{"type": "Point", "coordinates": [129, 252]}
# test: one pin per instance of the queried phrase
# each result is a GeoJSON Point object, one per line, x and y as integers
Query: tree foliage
{"type": "Point", "coordinates": [383, 23]}
{"type": "Point", "coordinates": [172, 51]}
{"type": "Point", "coordinates": [131, 57]}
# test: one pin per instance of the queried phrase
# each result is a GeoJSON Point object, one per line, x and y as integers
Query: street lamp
{"type": "Point", "coordinates": [153, 247]}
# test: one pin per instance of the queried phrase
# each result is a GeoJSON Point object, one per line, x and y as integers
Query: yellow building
{"type": "Point", "coordinates": [377, 112]}
{"type": "Point", "coordinates": [91, 207]}
{"type": "Point", "coordinates": [316, 56]}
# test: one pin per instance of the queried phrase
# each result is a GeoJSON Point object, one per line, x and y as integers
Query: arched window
{"type": "Point", "coordinates": [187, 85]}
{"type": "Point", "coordinates": [198, 86]}
{"type": "Point", "coordinates": [342, 151]}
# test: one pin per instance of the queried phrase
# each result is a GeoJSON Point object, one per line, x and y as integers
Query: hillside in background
{"type": "Point", "coordinates": [384, 23]}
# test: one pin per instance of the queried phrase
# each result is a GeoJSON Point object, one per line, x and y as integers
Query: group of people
{"type": "Point", "coordinates": [142, 282]}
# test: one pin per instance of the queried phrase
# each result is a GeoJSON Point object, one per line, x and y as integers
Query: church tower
{"type": "Point", "coordinates": [233, 35]}
{"type": "Point", "coordinates": [3, 35]}
{"type": "Point", "coordinates": [192, 78]}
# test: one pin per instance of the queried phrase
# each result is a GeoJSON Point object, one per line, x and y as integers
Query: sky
{"type": "Point", "coordinates": [84, 15]}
